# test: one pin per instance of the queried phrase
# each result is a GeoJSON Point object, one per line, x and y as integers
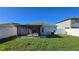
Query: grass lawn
{"type": "Point", "coordinates": [62, 43]}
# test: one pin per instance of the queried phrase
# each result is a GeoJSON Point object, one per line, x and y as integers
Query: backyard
{"type": "Point", "coordinates": [58, 43]}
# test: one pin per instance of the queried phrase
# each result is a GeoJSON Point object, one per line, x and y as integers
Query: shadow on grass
{"type": "Point", "coordinates": [54, 36]}
{"type": "Point", "coordinates": [7, 39]}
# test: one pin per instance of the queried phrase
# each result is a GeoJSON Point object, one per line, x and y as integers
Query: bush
{"type": "Point", "coordinates": [53, 36]}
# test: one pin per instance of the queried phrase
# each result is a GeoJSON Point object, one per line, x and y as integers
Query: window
{"type": "Point", "coordinates": [42, 29]}
{"type": "Point", "coordinates": [77, 21]}
{"type": "Point", "coordinates": [66, 27]}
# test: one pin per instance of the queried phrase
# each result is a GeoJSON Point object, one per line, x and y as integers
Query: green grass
{"type": "Point", "coordinates": [60, 43]}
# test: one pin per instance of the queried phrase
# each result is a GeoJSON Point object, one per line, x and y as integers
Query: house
{"type": "Point", "coordinates": [69, 26]}
{"type": "Point", "coordinates": [15, 29]}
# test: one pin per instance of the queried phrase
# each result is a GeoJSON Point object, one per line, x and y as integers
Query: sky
{"type": "Point", "coordinates": [26, 15]}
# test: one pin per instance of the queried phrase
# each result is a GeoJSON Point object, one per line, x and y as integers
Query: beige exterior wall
{"type": "Point", "coordinates": [73, 32]}
{"type": "Point", "coordinates": [7, 31]}
{"type": "Point", "coordinates": [64, 24]}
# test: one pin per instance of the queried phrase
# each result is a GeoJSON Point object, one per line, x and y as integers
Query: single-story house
{"type": "Point", "coordinates": [14, 29]}
{"type": "Point", "coordinates": [69, 26]}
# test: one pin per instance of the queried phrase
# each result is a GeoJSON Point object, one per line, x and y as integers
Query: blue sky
{"type": "Point", "coordinates": [26, 15]}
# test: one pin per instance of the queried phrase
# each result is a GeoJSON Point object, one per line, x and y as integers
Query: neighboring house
{"type": "Point", "coordinates": [14, 29]}
{"type": "Point", "coordinates": [68, 26]}
{"type": "Point", "coordinates": [7, 30]}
